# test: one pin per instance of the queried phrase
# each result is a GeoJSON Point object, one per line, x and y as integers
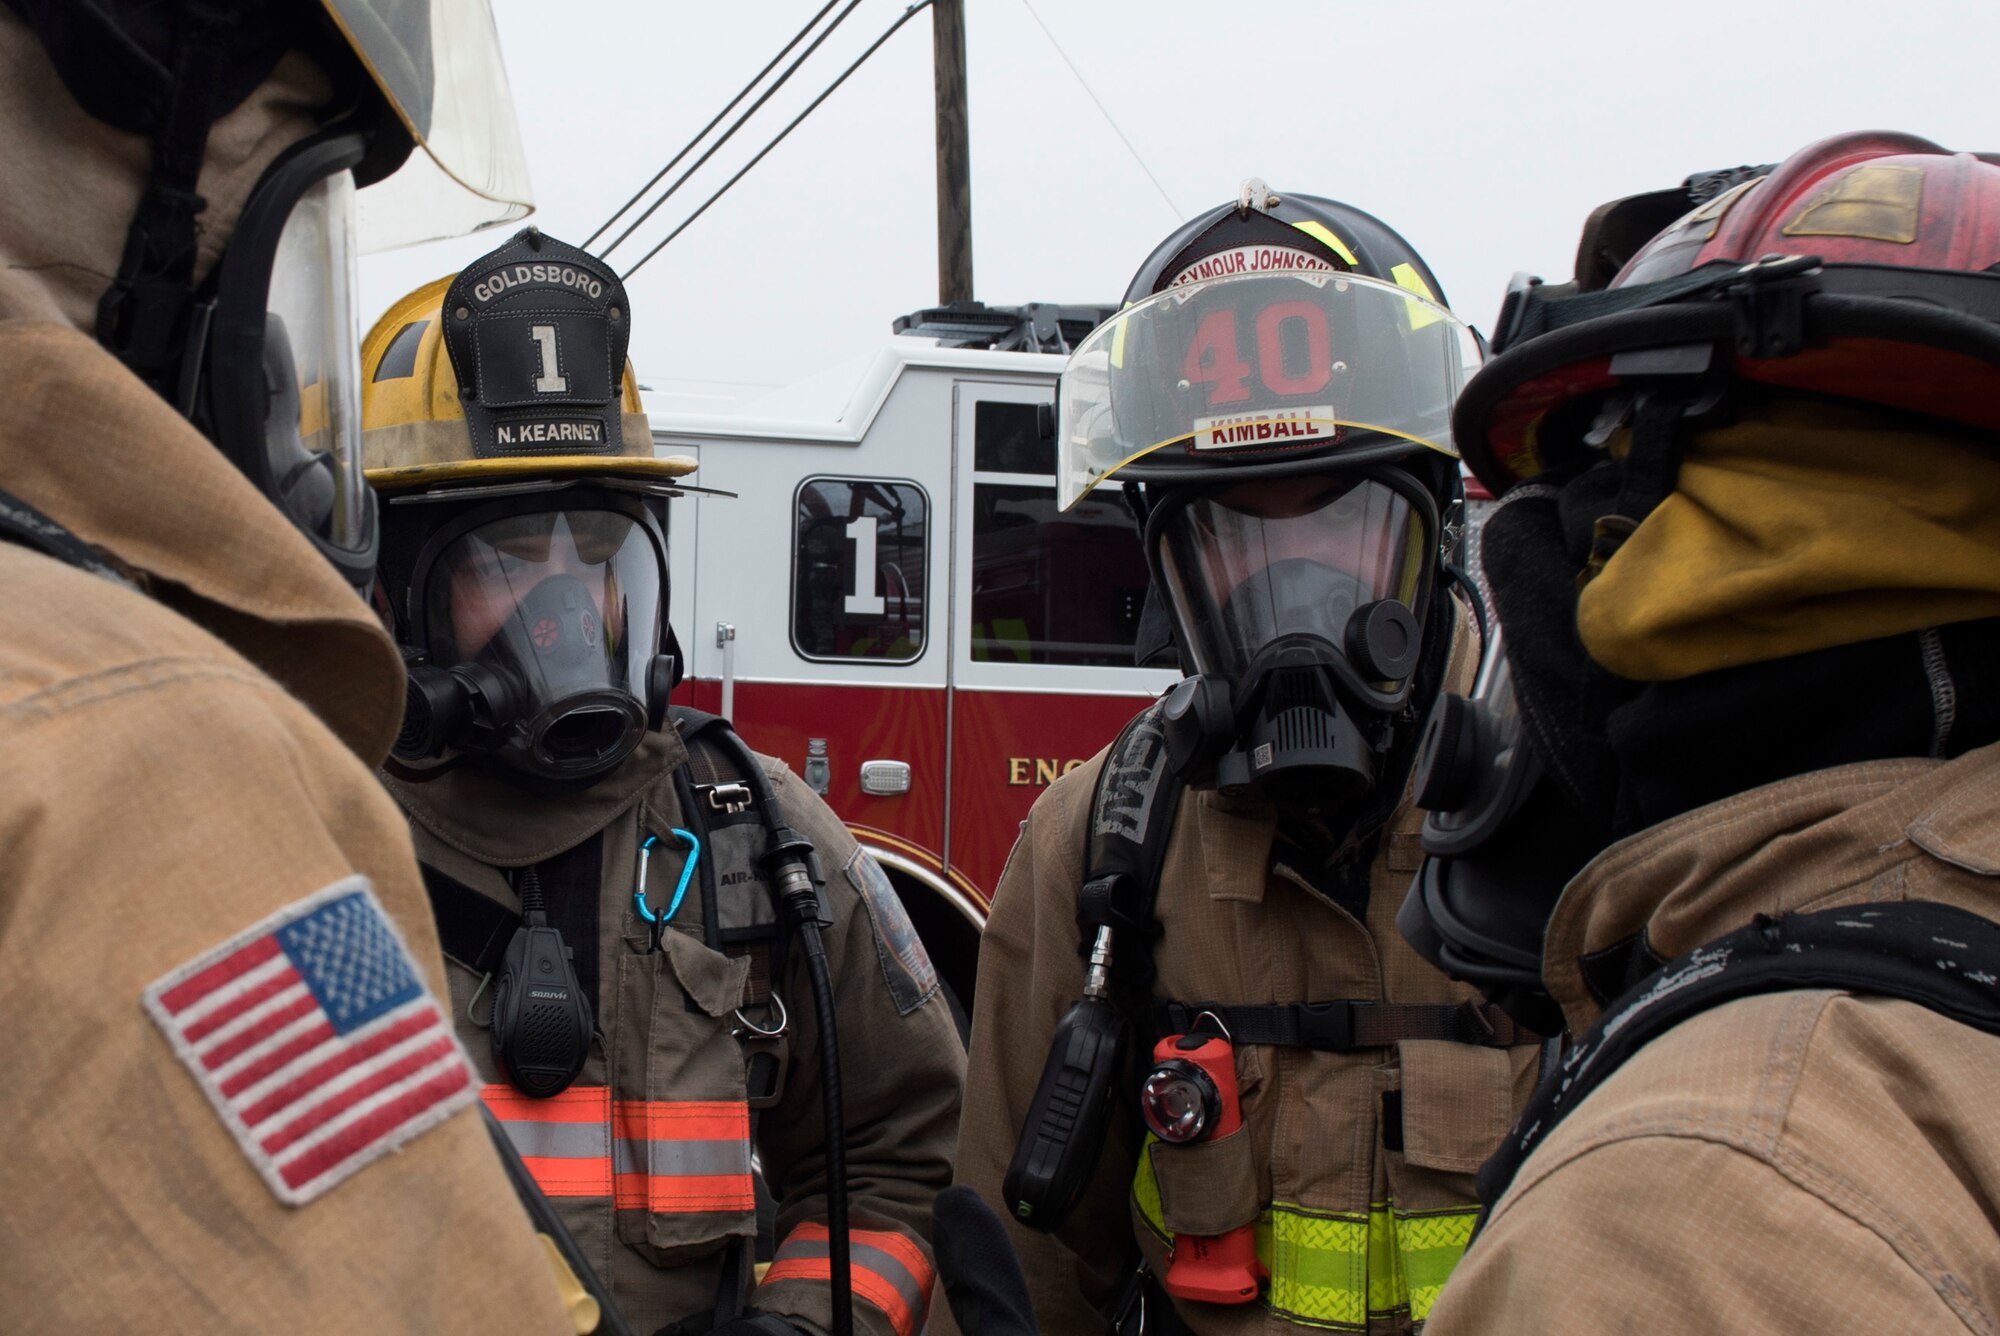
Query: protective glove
{"type": "Point", "coordinates": [976, 1263]}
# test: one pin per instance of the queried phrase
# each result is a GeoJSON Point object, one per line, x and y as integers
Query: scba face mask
{"type": "Point", "coordinates": [1299, 603]}
{"type": "Point", "coordinates": [539, 629]}
{"type": "Point", "coordinates": [277, 366]}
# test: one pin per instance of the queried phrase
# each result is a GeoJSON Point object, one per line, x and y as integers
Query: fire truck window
{"type": "Point", "coordinates": [1006, 438]}
{"type": "Point", "coordinates": [1049, 587]}
{"type": "Point", "coordinates": [859, 566]}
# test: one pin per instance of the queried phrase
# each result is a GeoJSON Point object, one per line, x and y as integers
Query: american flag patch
{"type": "Point", "coordinates": [315, 1038]}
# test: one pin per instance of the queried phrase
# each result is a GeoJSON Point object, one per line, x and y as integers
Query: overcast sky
{"type": "Point", "coordinates": [1483, 132]}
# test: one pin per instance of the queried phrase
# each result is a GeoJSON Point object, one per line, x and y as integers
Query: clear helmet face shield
{"type": "Point", "coordinates": [438, 64]}
{"type": "Point", "coordinates": [1259, 367]}
{"type": "Point", "coordinates": [312, 367]}
{"type": "Point", "coordinates": [280, 373]}
{"type": "Point", "coordinates": [554, 619]}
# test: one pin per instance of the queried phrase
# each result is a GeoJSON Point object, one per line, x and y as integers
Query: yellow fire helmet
{"type": "Point", "coordinates": [504, 373]}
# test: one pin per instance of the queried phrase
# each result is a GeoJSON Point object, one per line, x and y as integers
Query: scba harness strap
{"type": "Point", "coordinates": [1132, 817]}
{"type": "Point", "coordinates": [23, 524]}
{"type": "Point", "coordinates": [474, 929]}
{"type": "Point", "coordinates": [1346, 1027]}
{"type": "Point", "coordinates": [1939, 957]}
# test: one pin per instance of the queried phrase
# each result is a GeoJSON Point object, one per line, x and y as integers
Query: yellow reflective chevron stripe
{"type": "Point", "coordinates": [1409, 280]}
{"type": "Point", "coordinates": [1430, 1244]}
{"type": "Point", "coordinates": [1335, 1269]}
{"type": "Point", "coordinates": [1312, 227]}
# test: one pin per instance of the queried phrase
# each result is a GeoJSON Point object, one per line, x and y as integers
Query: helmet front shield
{"type": "Point", "coordinates": [1255, 368]}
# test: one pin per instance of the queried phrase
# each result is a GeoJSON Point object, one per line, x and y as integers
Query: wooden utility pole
{"type": "Point", "coordinates": [954, 153]}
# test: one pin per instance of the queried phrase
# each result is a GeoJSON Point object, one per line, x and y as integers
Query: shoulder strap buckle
{"type": "Point", "coordinates": [727, 798]}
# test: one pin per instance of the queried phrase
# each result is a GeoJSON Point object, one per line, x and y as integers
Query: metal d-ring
{"type": "Point", "coordinates": [693, 843]}
{"type": "Point", "coordinates": [784, 1021]}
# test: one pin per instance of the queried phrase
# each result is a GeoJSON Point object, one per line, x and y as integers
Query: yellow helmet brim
{"type": "Point", "coordinates": [661, 469]}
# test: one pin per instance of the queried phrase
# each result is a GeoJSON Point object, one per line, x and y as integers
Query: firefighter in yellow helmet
{"type": "Point", "coordinates": [1209, 1087]}
{"type": "Point", "coordinates": [233, 1100]}
{"type": "Point", "coordinates": [617, 883]}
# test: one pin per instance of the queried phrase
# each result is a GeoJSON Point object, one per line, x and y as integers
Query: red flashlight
{"type": "Point", "coordinates": [1190, 1095]}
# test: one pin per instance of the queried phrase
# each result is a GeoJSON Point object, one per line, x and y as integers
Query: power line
{"type": "Point", "coordinates": [1103, 110]}
{"type": "Point", "coordinates": [813, 106]}
{"type": "Point", "coordinates": [729, 133]}
{"type": "Point", "coordinates": [688, 147]}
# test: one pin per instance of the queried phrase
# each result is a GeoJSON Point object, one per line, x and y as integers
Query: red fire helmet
{"type": "Point", "coordinates": [1865, 267]}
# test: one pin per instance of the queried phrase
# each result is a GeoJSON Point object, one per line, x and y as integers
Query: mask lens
{"type": "Point", "coordinates": [312, 359]}
{"type": "Point", "coordinates": [1281, 557]}
{"type": "Point", "coordinates": [568, 598]}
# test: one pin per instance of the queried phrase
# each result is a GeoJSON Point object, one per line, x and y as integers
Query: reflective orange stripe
{"type": "Point", "coordinates": [578, 1104]}
{"type": "Point", "coordinates": [683, 1120]}
{"type": "Point", "coordinates": [683, 1156]}
{"type": "Point", "coordinates": [890, 1270]}
{"type": "Point", "coordinates": [664, 1156]}
{"type": "Point", "coordinates": [564, 1140]}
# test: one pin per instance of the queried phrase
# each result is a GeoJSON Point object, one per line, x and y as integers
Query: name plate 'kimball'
{"type": "Point", "coordinates": [1281, 426]}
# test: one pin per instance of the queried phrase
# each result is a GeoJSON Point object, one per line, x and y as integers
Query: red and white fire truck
{"type": "Point", "coordinates": [893, 604]}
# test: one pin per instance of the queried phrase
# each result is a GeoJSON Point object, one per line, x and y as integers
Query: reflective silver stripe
{"type": "Point", "coordinates": [875, 1259]}
{"type": "Point", "coordinates": [559, 1141]}
{"type": "Point", "coordinates": [681, 1159]}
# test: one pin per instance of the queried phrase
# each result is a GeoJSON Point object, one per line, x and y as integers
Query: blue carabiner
{"type": "Point", "coordinates": [680, 889]}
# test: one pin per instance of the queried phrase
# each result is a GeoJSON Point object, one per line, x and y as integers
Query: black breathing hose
{"type": "Point", "coordinates": [794, 876]}
{"type": "Point", "coordinates": [839, 1264]}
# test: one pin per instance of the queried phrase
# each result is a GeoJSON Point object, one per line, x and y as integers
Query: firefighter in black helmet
{"type": "Point", "coordinates": [1275, 399]}
{"type": "Point", "coordinates": [234, 1101]}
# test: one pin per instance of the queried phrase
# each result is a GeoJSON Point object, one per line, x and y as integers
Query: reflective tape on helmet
{"type": "Point", "coordinates": [1336, 1269]}
{"type": "Point", "coordinates": [890, 1271]}
{"type": "Point", "coordinates": [1312, 227]}
{"type": "Point", "coordinates": [667, 1157]}
{"type": "Point", "coordinates": [1409, 280]}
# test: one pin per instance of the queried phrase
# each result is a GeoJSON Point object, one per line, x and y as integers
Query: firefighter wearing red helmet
{"type": "Point", "coordinates": [1722, 804]}
{"type": "Point", "coordinates": [1222, 881]}
{"type": "Point", "coordinates": [233, 1100]}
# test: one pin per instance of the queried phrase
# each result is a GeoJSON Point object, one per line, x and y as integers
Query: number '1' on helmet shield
{"type": "Point", "coordinates": [1256, 368]}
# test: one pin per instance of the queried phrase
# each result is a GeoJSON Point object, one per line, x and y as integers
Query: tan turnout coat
{"type": "Point", "coordinates": [179, 767]}
{"type": "Point", "coordinates": [1799, 1162]}
{"type": "Point", "coordinates": [1363, 1234]}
